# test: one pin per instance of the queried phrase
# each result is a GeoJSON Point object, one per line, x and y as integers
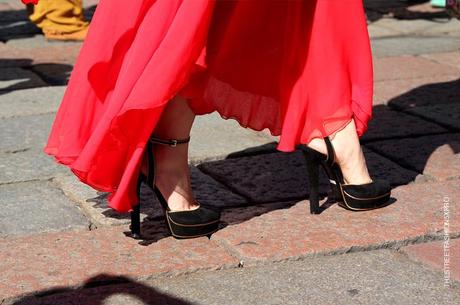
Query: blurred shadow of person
{"type": "Point", "coordinates": [59, 19]}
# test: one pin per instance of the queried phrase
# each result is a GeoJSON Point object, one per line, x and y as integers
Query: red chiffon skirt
{"type": "Point", "coordinates": [301, 69]}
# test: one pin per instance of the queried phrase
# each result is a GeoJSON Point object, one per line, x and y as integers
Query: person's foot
{"type": "Point", "coordinates": [348, 153]}
{"type": "Point", "coordinates": [74, 36]}
{"type": "Point", "coordinates": [172, 176]}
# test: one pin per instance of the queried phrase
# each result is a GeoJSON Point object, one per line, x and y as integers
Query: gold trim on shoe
{"type": "Point", "coordinates": [367, 198]}
{"type": "Point", "coordinates": [196, 225]}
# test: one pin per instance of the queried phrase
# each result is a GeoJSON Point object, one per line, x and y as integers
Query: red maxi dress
{"type": "Point", "coordinates": [301, 68]}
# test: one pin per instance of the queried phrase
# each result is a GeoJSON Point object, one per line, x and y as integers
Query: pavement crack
{"type": "Point", "coordinates": [247, 243]}
{"type": "Point", "coordinates": [17, 150]}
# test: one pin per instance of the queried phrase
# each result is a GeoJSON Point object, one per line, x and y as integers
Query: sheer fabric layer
{"type": "Point", "coordinates": [302, 69]}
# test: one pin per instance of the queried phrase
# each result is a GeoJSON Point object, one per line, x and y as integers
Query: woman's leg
{"type": "Point", "coordinates": [348, 152]}
{"type": "Point", "coordinates": [172, 174]}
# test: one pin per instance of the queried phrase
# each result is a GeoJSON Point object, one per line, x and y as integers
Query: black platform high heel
{"type": "Point", "coordinates": [355, 197]}
{"type": "Point", "coordinates": [181, 224]}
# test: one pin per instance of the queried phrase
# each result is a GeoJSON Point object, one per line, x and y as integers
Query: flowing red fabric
{"type": "Point", "coordinates": [302, 69]}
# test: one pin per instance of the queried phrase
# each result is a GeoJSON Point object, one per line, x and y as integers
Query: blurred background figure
{"type": "Point", "coordinates": [59, 19]}
{"type": "Point", "coordinates": [438, 3]}
{"type": "Point", "coordinates": [453, 8]}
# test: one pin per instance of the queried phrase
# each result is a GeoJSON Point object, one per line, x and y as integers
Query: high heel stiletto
{"type": "Point", "coordinates": [355, 197]}
{"type": "Point", "coordinates": [181, 224]}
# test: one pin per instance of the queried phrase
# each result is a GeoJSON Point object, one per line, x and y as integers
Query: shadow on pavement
{"type": "Point", "coordinates": [98, 290]}
{"type": "Point", "coordinates": [428, 95]}
{"type": "Point", "coordinates": [438, 103]}
{"type": "Point", "coordinates": [23, 74]}
{"type": "Point", "coordinates": [15, 24]}
{"type": "Point", "coordinates": [263, 165]}
{"type": "Point", "coordinates": [401, 158]}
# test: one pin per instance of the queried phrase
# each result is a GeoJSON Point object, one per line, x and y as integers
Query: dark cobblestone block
{"type": "Point", "coordinates": [436, 156]}
{"type": "Point", "coordinates": [444, 114]}
{"type": "Point", "coordinates": [264, 178]}
{"type": "Point", "coordinates": [283, 176]}
{"type": "Point", "coordinates": [444, 92]}
{"type": "Point", "coordinates": [210, 192]}
{"type": "Point", "coordinates": [387, 123]}
{"type": "Point", "coordinates": [383, 168]}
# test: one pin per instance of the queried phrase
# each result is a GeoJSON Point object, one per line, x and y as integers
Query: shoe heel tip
{"type": "Point", "coordinates": [136, 236]}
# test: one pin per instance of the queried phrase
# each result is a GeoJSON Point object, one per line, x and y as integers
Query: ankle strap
{"type": "Point", "coordinates": [170, 142]}
{"type": "Point", "coordinates": [330, 151]}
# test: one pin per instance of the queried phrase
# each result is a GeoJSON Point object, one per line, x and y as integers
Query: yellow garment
{"type": "Point", "coordinates": [59, 16]}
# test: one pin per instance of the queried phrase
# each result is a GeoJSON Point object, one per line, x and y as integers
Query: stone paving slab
{"type": "Point", "coordinates": [448, 58]}
{"type": "Point", "coordinates": [33, 263]}
{"type": "Point", "coordinates": [418, 26]}
{"type": "Point", "coordinates": [32, 101]}
{"type": "Point", "coordinates": [35, 207]}
{"type": "Point", "coordinates": [21, 56]}
{"type": "Point", "coordinates": [213, 138]}
{"type": "Point", "coordinates": [443, 114]}
{"type": "Point", "coordinates": [445, 27]}
{"type": "Point", "coordinates": [7, 5]}
{"type": "Point", "coordinates": [39, 41]}
{"type": "Point", "coordinates": [436, 156]}
{"type": "Point", "coordinates": [28, 165]}
{"type": "Point", "coordinates": [17, 78]}
{"type": "Point", "coordinates": [207, 191]}
{"type": "Point", "coordinates": [283, 176]}
{"type": "Point", "coordinates": [376, 31]}
{"type": "Point", "coordinates": [415, 45]}
{"type": "Point", "coordinates": [390, 68]}
{"type": "Point", "coordinates": [265, 178]}
{"type": "Point", "coordinates": [293, 233]}
{"type": "Point", "coordinates": [354, 278]}
{"type": "Point", "coordinates": [387, 123]}
{"type": "Point", "coordinates": [428, 90]}
{"type": "Point", "coordinates": [25, 132]}
{"type": "Point", "coordinates": [442, 256]}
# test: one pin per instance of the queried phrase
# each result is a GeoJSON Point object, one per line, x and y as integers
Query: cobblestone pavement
{"type": "Point", "coordinates": [57, 234]}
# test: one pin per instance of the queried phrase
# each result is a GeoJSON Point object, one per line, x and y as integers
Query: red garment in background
{"type": "Point", "coordinates": [302, 69]}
